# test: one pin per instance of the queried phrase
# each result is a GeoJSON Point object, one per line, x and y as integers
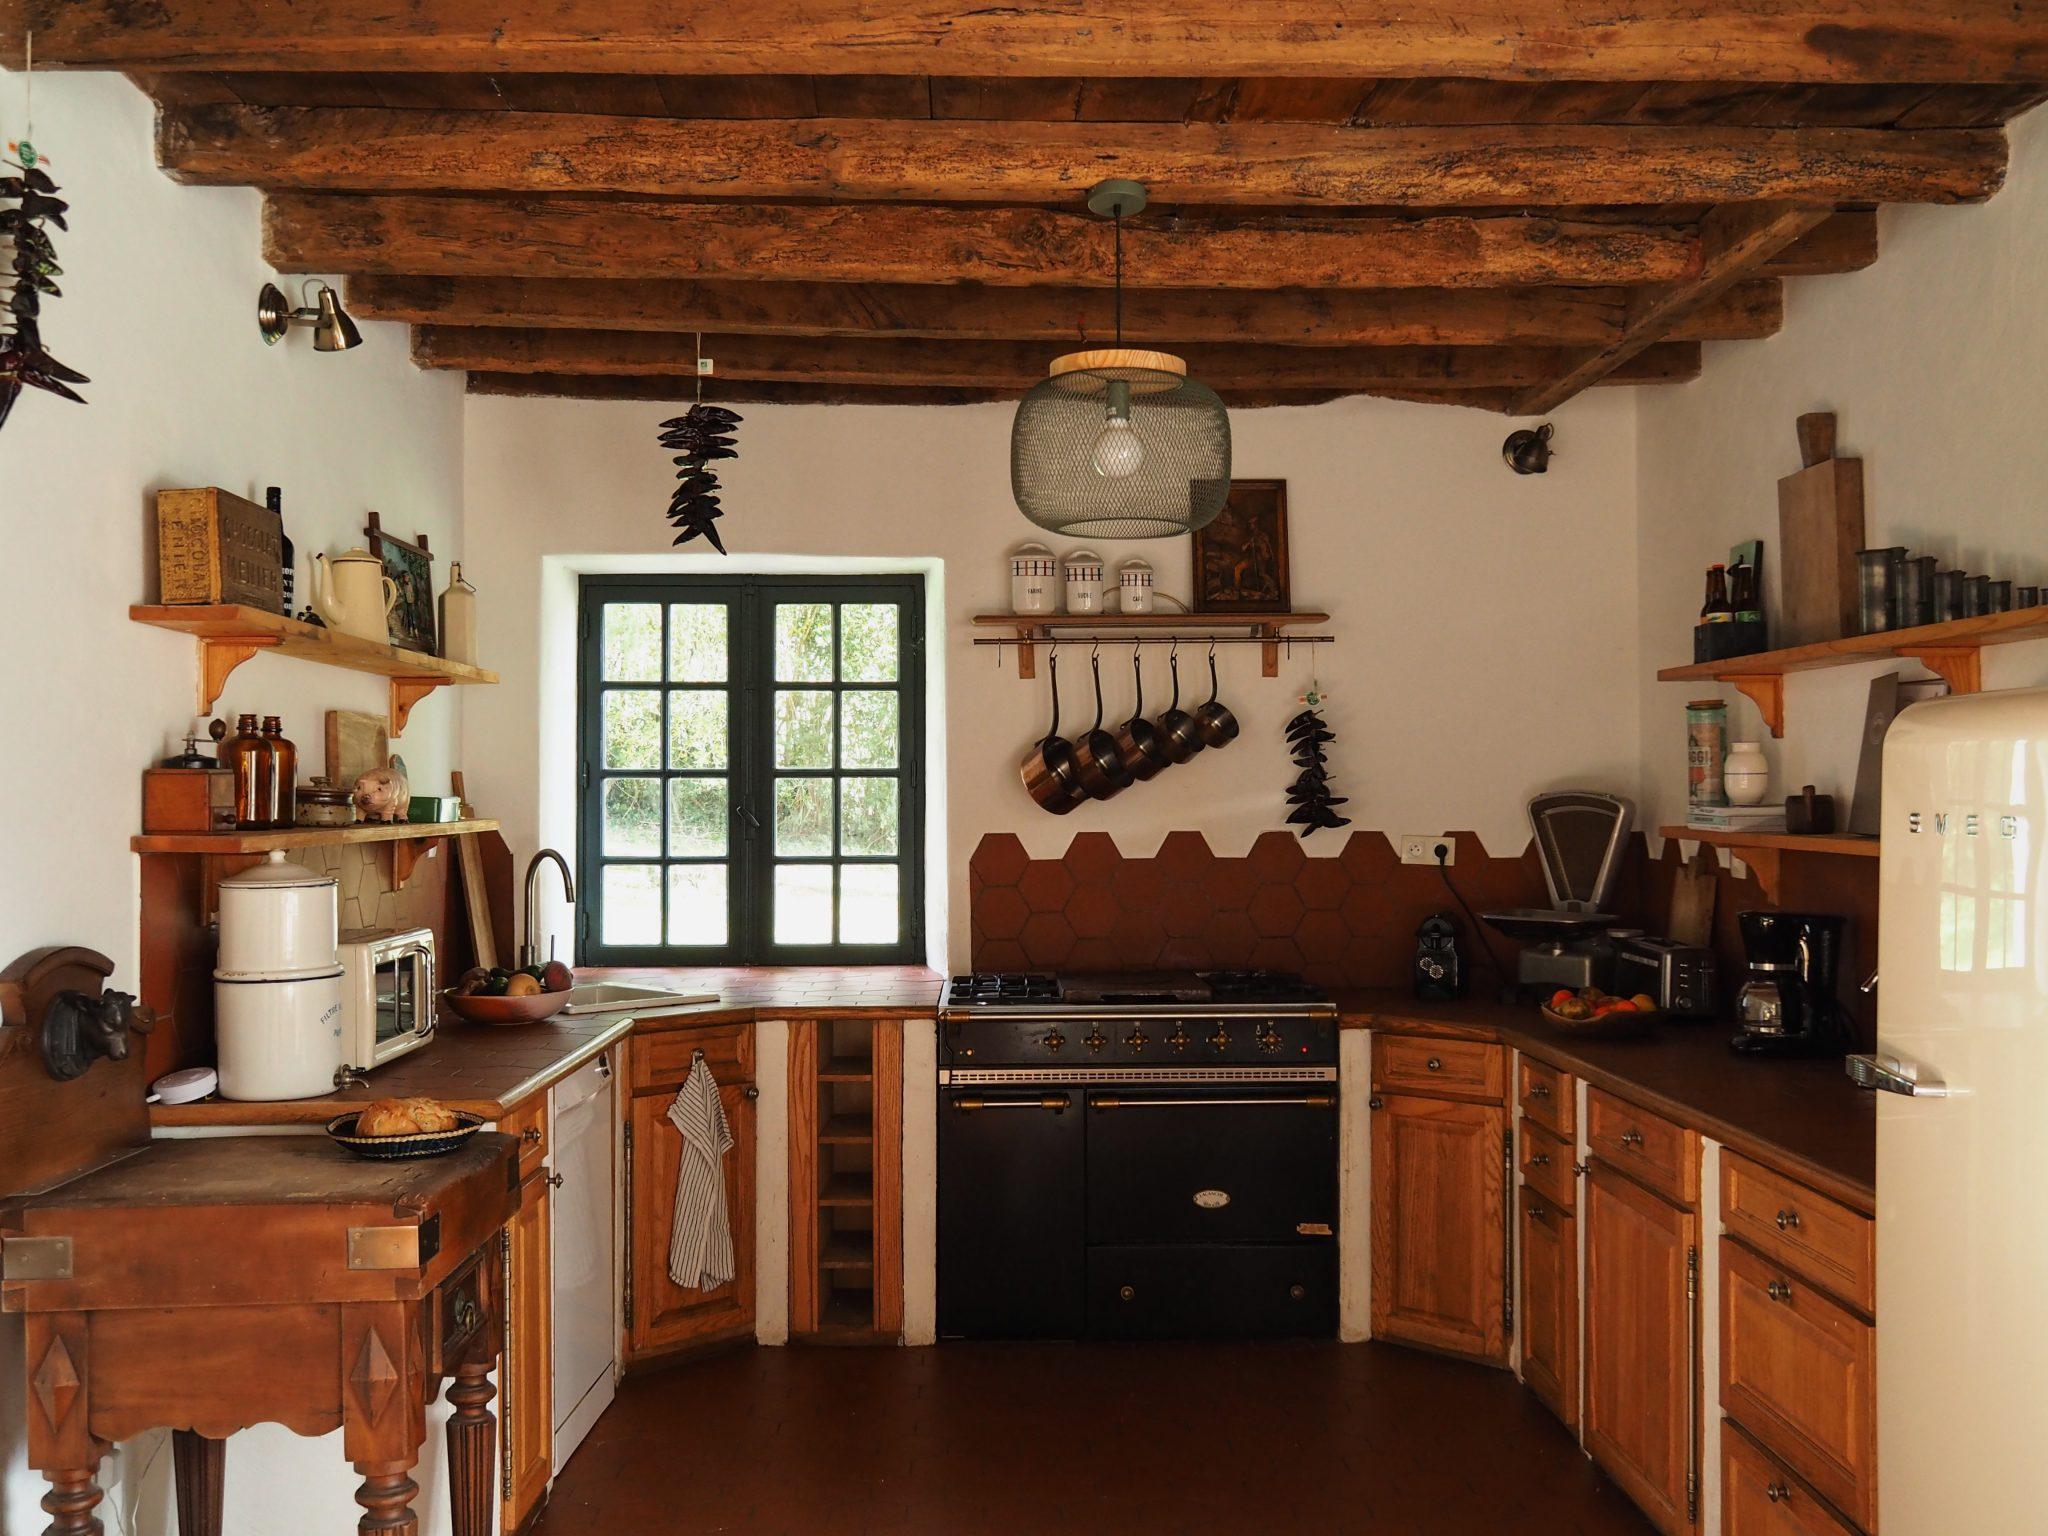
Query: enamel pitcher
{"type": "Point", "coordinates": [353, 595]}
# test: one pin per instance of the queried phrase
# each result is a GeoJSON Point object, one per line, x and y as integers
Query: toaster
{"type": "Point", "coordinates": [1679, 976]}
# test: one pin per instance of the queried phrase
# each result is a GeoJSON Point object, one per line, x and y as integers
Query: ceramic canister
{"type": "Point", "coordinates": [277, 1039]}
{"type": "Point", "coordinates": [1083, 570]}
{"type": "Point", "coordinates": [278, 920]}
{"type": "Point", "coordinates": [1134, 586]}
{"type": "Point", "coordinates": [1034, 580]}
{"type": "Point", "coordinates": [1745, 776]}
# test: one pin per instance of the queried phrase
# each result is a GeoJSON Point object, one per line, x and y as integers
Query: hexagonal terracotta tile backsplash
{"type": "Point", "coordinates": [1347, 920]}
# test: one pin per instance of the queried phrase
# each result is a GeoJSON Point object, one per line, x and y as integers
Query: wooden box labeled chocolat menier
{"type": "Point", "coordinates": [213, 547]}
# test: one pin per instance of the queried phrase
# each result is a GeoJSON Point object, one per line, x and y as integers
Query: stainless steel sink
{"type": "Point", "coordinates": [620, 997]}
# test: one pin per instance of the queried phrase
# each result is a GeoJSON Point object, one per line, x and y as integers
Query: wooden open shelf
{"type": "Point", "coordinates": [407, 840]}
{"type": "Point", "coordinates": [1032, 629]}
{"type": "Point", "coordinates": [229, 634]}
{"type": "Point", "coordinates": [1764, 852]}
{"type": "Point", "coordinates": [1952, 650]}
{"type": "Point", "coordinates": [846, 1180]}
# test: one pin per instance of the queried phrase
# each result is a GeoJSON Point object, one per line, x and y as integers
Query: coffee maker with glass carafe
{"type": "Point", "coordinates": [1787, 1004]}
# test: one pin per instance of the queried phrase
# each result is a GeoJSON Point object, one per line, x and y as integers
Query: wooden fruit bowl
{"type": "Point", "coordinates": [1605, 1026]}
{"type": "Point", "coordinates": [506, 1010]}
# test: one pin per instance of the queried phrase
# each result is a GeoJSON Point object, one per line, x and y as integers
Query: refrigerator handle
{"type": "Point", "coordinates": [1893, 1076]}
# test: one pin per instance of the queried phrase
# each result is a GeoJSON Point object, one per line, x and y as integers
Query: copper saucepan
{"type": "Point", "coordinates": [1096, 760]}
{"type": "Point", "coordinates": [1216, 725]}
{"type": "Point", "coordinates": [1140, 743]}
{"type": "Point", "coordinates": [1048, 770]}
{"type": "Point", "coordinates": [1177, 731]}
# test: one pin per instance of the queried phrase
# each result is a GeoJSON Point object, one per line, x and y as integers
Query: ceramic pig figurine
{"type": "Point", "coordinates": [383, 794]}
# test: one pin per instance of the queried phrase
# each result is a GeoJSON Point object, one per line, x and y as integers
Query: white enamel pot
{"type": "Point", "coordinates": [278, 920]}
{"type": "Point", "coordinates": [277, 1039]}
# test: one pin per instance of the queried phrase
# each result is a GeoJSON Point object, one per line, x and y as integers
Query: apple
{"type": "Point", "coordinates": [557, 977]}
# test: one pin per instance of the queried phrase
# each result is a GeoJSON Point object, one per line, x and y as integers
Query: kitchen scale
{"type": "Point", "coordinates": [1579, 838]}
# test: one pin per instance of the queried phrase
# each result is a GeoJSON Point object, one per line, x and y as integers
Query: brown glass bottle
{"type": "Point", "coordinates": [284, 773]}
{"type": "Point", "coordinates": [248, 757]}
{"type": "Point", "coordinates": [1716, 609]}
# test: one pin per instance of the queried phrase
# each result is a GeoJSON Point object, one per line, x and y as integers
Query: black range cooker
{"type": "Point", "coordinates": [1143, 1156]}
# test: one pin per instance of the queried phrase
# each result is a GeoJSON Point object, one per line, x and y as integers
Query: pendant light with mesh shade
{"type": "Point", "coordinates": [1119, 443]}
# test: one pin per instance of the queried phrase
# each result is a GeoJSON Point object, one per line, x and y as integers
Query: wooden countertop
{"type": "Point", "coordinates": [1804, 1118]}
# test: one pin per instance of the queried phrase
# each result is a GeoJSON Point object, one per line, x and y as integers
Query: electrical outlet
{"type": "Point", "coordinates": [1421, 847]}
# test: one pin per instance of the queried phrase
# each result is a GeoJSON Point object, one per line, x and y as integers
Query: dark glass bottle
{"type": "Point", "coordinates": [1742, 591]}
{"type": "Point", "coordinates": [273, 498]}
{"type": "Point", "coordinates": [1717, 609]}
{"type": "Point", "coordinates": [247, 756]}
{"type": "Point", "coordinates": [284, 773]}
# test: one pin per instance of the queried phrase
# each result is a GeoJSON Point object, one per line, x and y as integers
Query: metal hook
{"type": "Point", "coordinates": [1212, 650]}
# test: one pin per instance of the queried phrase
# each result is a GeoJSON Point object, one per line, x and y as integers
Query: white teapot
{"type": "Point", "coordinates": [347, 594]}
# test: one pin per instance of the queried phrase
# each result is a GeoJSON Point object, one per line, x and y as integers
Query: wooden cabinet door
{"type": "Point", "coordinates": [661, 1315]}
{"type": "Point", "coordinates": [1439, 1212]}
{"type": "Point", "coordinates": [1550, 1304]}
{"type": "Point", "coordinates": [1761, 1498]}
{"type": "Point", "coordinates": [526, 1408]}
{"type": "Point", "coordinates": [1642, 1256]}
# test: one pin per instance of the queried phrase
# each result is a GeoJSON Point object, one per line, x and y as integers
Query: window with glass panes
{"type": "Point", "coordinates": [751, 771]}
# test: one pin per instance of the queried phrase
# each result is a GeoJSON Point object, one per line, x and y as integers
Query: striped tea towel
{"type": "Point", "coordinates": [700, 1242]}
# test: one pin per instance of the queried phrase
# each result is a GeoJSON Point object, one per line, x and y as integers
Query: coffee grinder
{"type": "Point", "coordinates": [1787, 1004]}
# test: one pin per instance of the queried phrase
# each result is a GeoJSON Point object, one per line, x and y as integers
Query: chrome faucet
{"type": "Point", "coordinates": [529, 952]}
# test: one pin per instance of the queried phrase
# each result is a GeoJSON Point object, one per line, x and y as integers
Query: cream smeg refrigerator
{"type": "Point", "coordinates": [1962, 1120]}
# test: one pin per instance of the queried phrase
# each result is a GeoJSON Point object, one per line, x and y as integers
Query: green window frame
{"type": "Point", "coordinates": [744, 797]}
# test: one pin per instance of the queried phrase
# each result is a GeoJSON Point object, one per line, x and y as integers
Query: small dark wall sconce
{"type": "Point", "coordinates": [333, 330]}
{"type": "Point", "coordinates": [1528, 452]}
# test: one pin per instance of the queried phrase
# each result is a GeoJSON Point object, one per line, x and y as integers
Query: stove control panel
{"type": "Point", "coordinates": [1164, 1039]}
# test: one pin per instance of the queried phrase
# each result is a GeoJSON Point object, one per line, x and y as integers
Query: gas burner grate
{"type": "Point", "coordinates": [1004, 987]}
{"type": "Point", "coordinates": [1260, 987]}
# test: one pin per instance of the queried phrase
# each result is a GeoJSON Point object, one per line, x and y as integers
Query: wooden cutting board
{"type": "Point", "coordinates": [356, 743]}
{"type": "Point", "coordinates": [1820, 528]}
{"type": "Point", "coordinates": [1692, 898]}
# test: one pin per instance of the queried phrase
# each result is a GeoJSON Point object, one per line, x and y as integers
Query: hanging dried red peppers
{"type": "Point", "coordinates": [28, 203]}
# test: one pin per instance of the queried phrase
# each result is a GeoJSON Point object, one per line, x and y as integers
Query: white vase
{"type": "Point", "coordinates": [1745, 775]}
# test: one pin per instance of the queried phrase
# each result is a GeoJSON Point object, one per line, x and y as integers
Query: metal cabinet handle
{"type": "Point", "coordinates": [1578, 1170]}
{"type": "Point", "coordinates": [1540, 1160]}
{"type": "Point", "coordinates": [1778, 1493]}
{"type": "Point", "coordinates": [1870, 1070]}
{"type": "Point", "coordinates": [1375, 1102]}
{"type": "Point", "coordinates": [555, 1181]}
{"type": "Point", "coordinates": [1788, 1220]}
{"type": "Point", "coordinates": [1538, 1213]}
{"type": "Point", "coordinates": [1539, 1090]}
{"type": "Point", "coordinates": [1435, 1064]}
{"type": "Point", "coordinates": [531, 1134]}
{"type": "Point", "coordinates": [751, 1092]}
{"type": "Point", "coordinates": [1631, 1138]}
{"type": "Point", "coordinates": [1056, 1102]}
{"type": "Point", "coordinates": [1778, 1290]}
{"type": "Point", "coordinates": [604, 1066]}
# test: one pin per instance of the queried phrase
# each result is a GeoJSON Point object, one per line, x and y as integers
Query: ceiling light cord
{"type": "Point", "coordinates": [1119, 274]}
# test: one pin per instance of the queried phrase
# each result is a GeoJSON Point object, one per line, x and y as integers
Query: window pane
{"type": "Point", "coordinates": [632, 642]}
{"type": "Point", "coordinates": [696, 729]}
{"type": "Point", "coordinates": [696, 642]}
{"type": "Point", "coordinates": [632, 904]}
{"type": "Point", "coordinates": [803, 903]}
{"type": "Point", "coordinates": [696, 818]}
{"type": "Point", "coordinates": [803, 642]}
{"type": "Point", "coordinates": [867, 643]}
{"type": "Point", "coordinates": [867, 816]}
{"type": "Point", "coordinates": [868, 904]}
{"type": "Point", "coordinates": [697, 908]}
{"type": "Point", "coordinates": [632, 729]}
{"type": "Point", "coordinates": [803, 729]}
{"type": "Point", "coordinates": [867, 728]}
{"type": "Point", "coordinates": [803, 816]}
{"type": "Point", "coordinates": [632, 817]}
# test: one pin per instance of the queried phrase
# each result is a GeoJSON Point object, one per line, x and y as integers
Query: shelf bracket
{"type": "Point", "coordinates": [1767, 864]}
{"type": "Point", "coordinates": [406, 692]}
{"type": "Point", "coordinates": [1767, 692]}
{"type": "Point", "coordinates": [218, 660]}
{"type": "Point", "coordinates": [1269, 653]}
{"type": "Point", "coordinates": [1027, 652]}
{"type": "Point", "coordinates": [1960, 666]}
{"type": "Point", "coordinates": [406, 854]}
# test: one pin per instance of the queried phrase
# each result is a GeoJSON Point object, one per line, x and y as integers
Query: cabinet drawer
{"type": "Point", "coordinates": [1759, 1497]}
{"type": "Point", "coordinates": [663, 1060]}
{"type": "Point", "coordinates": [529, 1122]}
{"type": "Point", "coordinates": [1798, 1372]}
{"type": "Point", "coordinates": [1439, 1069]}
{"type": "Point", "coordinates": [1818, 1238]}
{"type": "Point", "coordinates": [1547, 1096]}
{"type": "Point", "coordinates": [1648, 1148]}
{"type": "Point", "coordinates": [1547, 1166]}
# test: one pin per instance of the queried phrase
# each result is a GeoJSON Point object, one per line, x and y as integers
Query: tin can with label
{"type": "Point", "coordinates": [1706, 745]}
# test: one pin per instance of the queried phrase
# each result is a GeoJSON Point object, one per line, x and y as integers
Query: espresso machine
{"type": "Point", "coordinates": [1787, 1004]}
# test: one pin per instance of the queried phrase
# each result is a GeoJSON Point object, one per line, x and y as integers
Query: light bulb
{"type": "Point", "coordinates": [1119, 451]}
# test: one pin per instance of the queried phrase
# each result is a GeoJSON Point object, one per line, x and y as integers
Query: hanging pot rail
{"type": "Point", "coordinates": [1270, 631]}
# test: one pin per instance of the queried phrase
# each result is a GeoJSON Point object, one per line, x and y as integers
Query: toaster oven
{"type": "Point", "coordinates": [387, 991]}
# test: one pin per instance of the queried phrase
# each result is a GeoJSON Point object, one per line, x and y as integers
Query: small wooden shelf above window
{"type": "Point", "coordinates": [1953, 651]}
{"type": "Point", "coordinates": [229, 634]}
{"type": "Point", "coordinates": [408, 841]}
{"type": "Point", "coordinates": [1763, 852]}
{"type": "Point", "coordinates": [1029, 630]}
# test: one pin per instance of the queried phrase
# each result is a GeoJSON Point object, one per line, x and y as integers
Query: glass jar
{"type": "Point", "coordinates": [1745, 776]}
{"type": "Point", "coordinates": [247, 755]}
{"type": "Point", "coordinates": [1034, 580]}
{"type": "Point", "coordinates": [322, 803]}
{"type": "Point", "coordinates": [1083, 572]}
{"type": "Point", "coordinates": [1706, 737]}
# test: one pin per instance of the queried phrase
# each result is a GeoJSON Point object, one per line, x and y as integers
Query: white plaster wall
{"type": "Point", "coordinates": [1486, 622]}
{"type": "Point", "coordinates": [159, 293]}
{"type": "Point", "coordinates": [1936, 361]}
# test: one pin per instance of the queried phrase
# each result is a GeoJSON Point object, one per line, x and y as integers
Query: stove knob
{"type": "Point", "coordinates": [1179, 1038]}
{"type": "Point", "coordinates": [1054, 1040]}
{"type": "Point", "coordinates": [1096, 1039]}
{"type": "Point", "coordinates": [1137, 1039]}
{"type": "Point", "coordinates": [1268, 1036]}
{"type": "Point", "coordinates": [1220, 1038]}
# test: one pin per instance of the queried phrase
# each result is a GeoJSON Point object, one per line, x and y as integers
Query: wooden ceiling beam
{"type": "Point", "coordinates": [1270, 164]}
{"type": "Point", "coordinates": [1009, 365]}
{"type": "Point", "coordinates": [1587, 317]}
{"type": "Point", "coordinates": [1734, 242]}
{"type": "Point", "coordinates": [905, 243]}
{"type": "Point", "coordinates": [1802, 41]}
{"type": "Point", "coordinates": [1845, 243]}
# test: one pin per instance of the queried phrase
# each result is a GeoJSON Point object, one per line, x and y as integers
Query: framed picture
{"type": "Point", "coordinates": [1241, 557]}
{"type": "Point", "coordinates": [411, 569]}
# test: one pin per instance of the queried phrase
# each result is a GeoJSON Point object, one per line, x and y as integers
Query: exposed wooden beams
{"type": "Point", "coordinates": [1762, 40]}
{"type": "Point", "coordinates": [900, 243]}
{"type": "Point", "coordinates": [1008, 365]}
{"type": "Point", "coordinates": [1845, 243]}
{"type": "Point", "coordinates": [1566, 317]}
{"type": "Point", "coordinates": [1255, 164]}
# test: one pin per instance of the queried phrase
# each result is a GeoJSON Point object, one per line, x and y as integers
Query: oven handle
{"type": "Point", "coordinates": [1058, 1103]}
{"type": "Point", "coordinates": [1305, 1100]}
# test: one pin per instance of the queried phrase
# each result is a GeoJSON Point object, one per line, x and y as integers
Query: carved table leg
{"type": "Point", "coordinates": [201, 1466]}
{"type": "Point", "coordinates": [70, 1503]}
{"type": "Point", "coordinates": [472, 1446]}
{"type": "Point", "coordinates": [386, 1496]}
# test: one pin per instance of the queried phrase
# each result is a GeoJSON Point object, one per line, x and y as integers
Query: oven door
{"type": "Point", "coordinates": [402, 993]}
{"type": "Point", "coordinates": [1224, 1165]}
{"type": "Point", "coordinates": [1010, 1258]}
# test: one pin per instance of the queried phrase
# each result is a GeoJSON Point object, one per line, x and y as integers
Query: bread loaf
{"type": "Point", "coordinates": [387, 1117]}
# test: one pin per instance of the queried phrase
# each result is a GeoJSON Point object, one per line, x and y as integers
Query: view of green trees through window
{"type": "Point", "coordinates": [750, 767]}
